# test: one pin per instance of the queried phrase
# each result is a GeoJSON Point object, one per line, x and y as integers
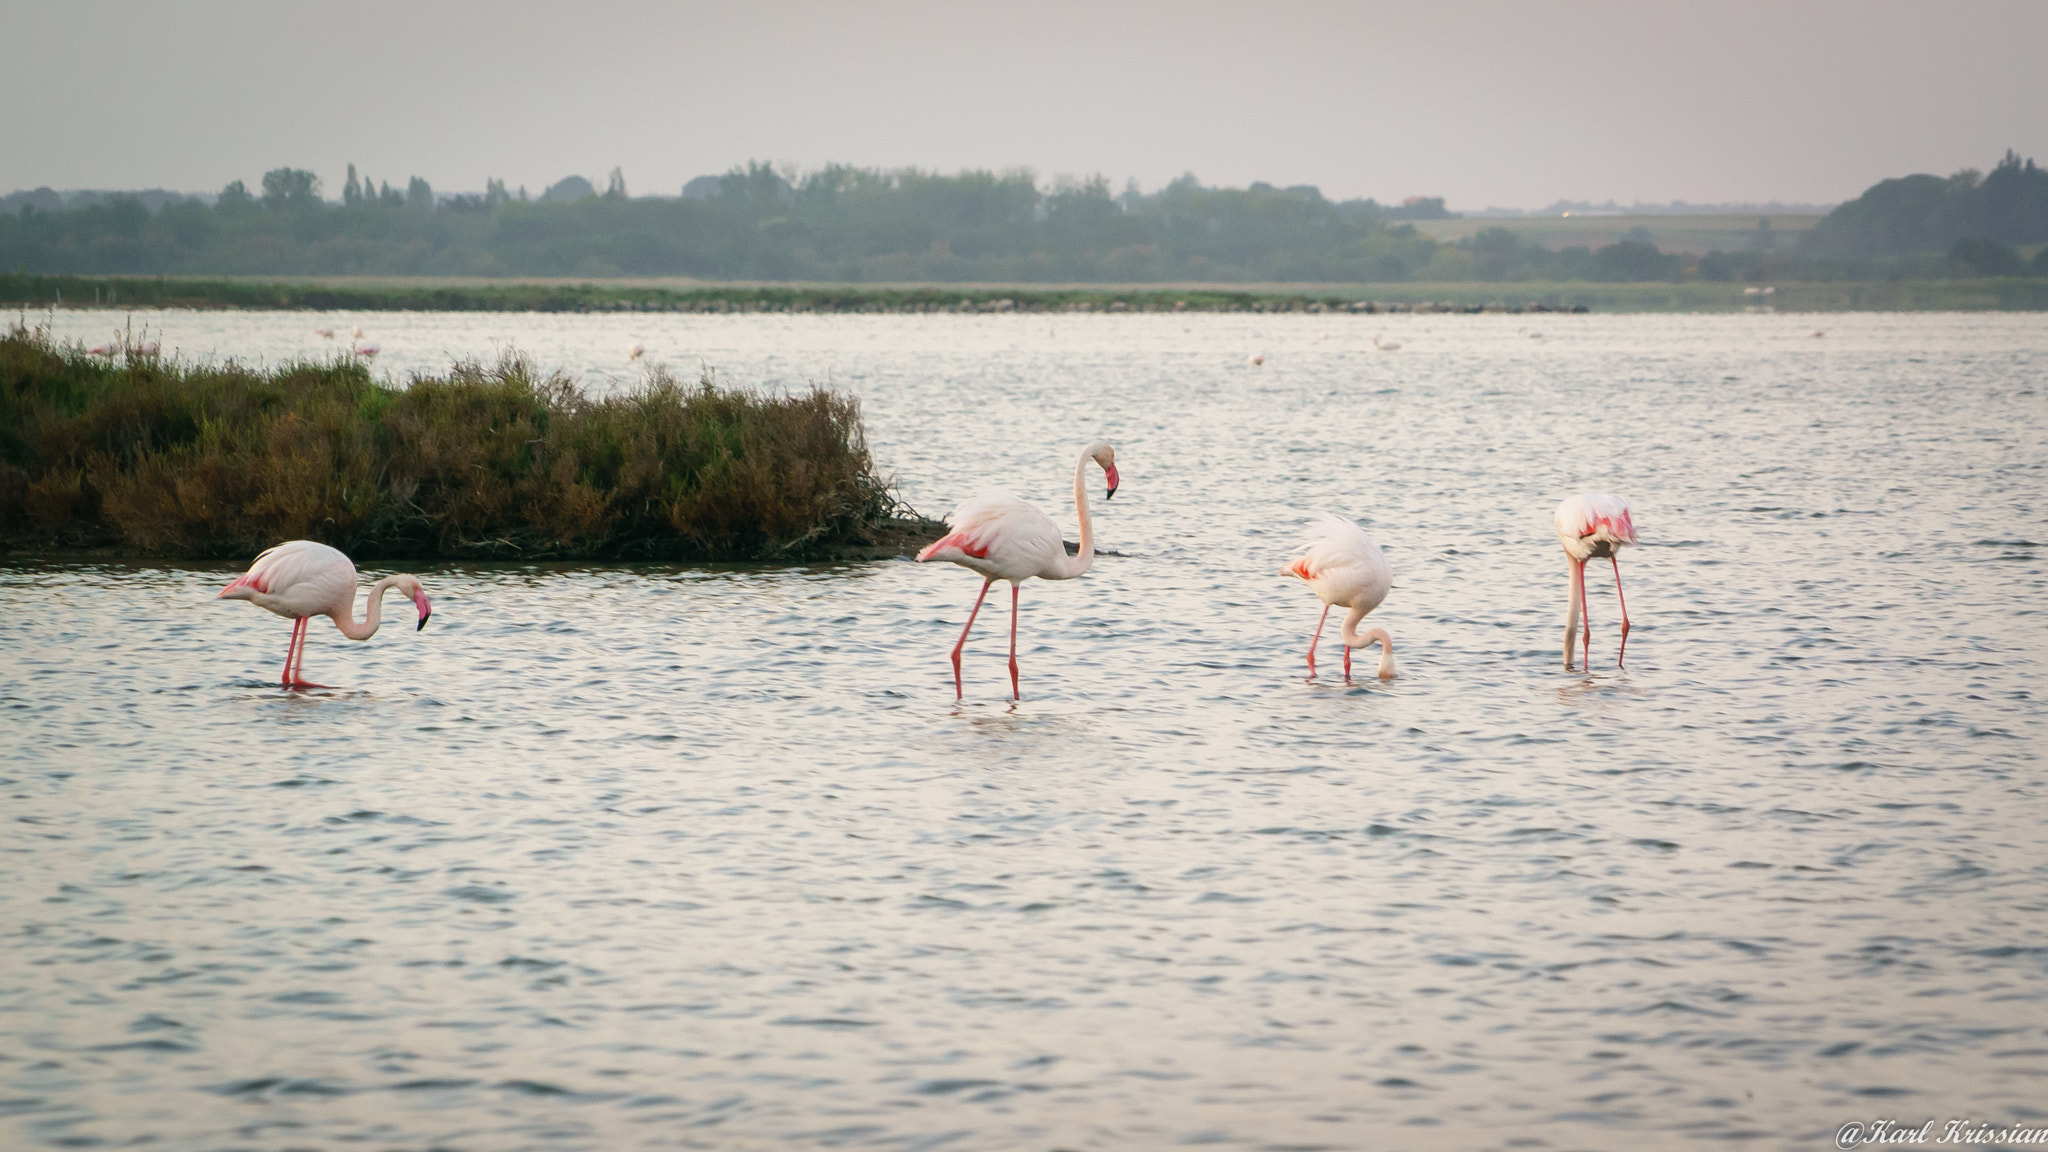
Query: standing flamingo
{"type": "Point", "coordinates": [1000, 537]}
{"type": "Point", "coordinates": [1589, 526]}
{"type": "Point", "coordinates": [1344, 567]}
{"type": "Point", "coordinates": [1385, 345]}
{"type": "Point", "coordinates": [300, 579]}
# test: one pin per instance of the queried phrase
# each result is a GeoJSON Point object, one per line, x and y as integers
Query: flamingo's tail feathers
{"type": "Point", "coordinates": [245, 586]}
{"type": "Point", "coordinates": [1297, 568]}
{"type": "Point", "coordinates": [954, 545]}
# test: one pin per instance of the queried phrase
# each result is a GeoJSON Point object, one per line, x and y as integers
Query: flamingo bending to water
{"type": "Point", "coordinates": [1343, 567]}
{"type": "Point", "coordinates": [636, 351]}
{"type": "Point", "coordinates": [300, 579]}
{"type": "Point", "coordinates": [1386, 345]}
{"type": "Point", "coordinates": [1589, 526]}
{"type": "Point", "coordinates": [1000, 537]}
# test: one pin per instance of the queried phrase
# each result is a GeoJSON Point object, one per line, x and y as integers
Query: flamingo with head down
{"type": "Point", "coordinates": [998, 536]}
{"type": "Point", "coordinates": [1589, 526]}
{"type": "Point", "coordinates": [300, 579]}
{"type": "Point", "coordinates": [1344, 568]}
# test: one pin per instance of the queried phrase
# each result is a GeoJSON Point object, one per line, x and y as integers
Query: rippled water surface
{"type": "Point", "coordinates": [709, 857]}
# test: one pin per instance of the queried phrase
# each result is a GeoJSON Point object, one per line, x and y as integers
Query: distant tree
{"type": "Point", "coordinates": [352, 191]}
{"type": "Point", "coordinates": [388, 195]}
{"type": "Point", "coordinates": [1976, 256]}
{"type": "Point", "coordinates": [615, 185]}
{"type": "Point", "coordinates": [419, 195]}
{"type": "Point", "coordinates": [290, 188]}
{"type": "Point", "coordinates": [234, 198]}
{"type": "Point", "coordinates": [1633, 260]}
{"type": "Point", "coordinates": [1911, 215]}
{"type": "Point", "coordinates": [569, 189]}
{"type": "Point", "coordinates": [494, 193]}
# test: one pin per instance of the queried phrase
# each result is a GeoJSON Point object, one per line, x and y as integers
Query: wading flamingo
{"type": "Point", "coordinates": [1590, 526]}
{"type": "Point", "coordinates": [1386, 345]}
{"type": "Point", "coordinates": [367, 350]}
{"type": "Point", "coordinates": [300, 579]}
{"type": "Point", "coordinates": [1000, 537]}
{"type": "Point", "coordinates": [1346, 569]}
{"type": "Point", "coordinates": [636, 351]}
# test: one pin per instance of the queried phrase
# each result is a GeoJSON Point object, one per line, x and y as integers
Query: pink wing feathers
{"type": "Point", "coordinates": [296, 578]}
{"type": "Point", "coordinates": [999, 536]}
{"type": "Point", "coordinates": [1592, 514]}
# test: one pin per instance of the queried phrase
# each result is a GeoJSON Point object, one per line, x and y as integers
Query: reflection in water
{"type": "Point", "coordinates": [641, 855]}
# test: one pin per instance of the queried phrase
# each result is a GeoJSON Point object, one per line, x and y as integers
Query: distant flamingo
{"type": "Point", "coordinates": [324, 333]}
{"type": "Point", "coordinates": [1590, 526]}
{"type": "Point", "coordinates": [636, 351]}
{"type": "Point", "coordinates": [1000, 537]}
{"type": "Point", "coordinates": [367, 350]}
{"type": "Point", "coordinates": [1255, 359]}
{"type": "Point", "coordinates": [1385, 345]}
{"type": "Point", "coordinates": [300, 579]}
{"type": "Point", "coordinates": [104, 350]}
{"type": "Point", "coordinates": [146, 348]}
{"type": "Point", "coordinates": [1345, 568]}
{"type": "Point", "coordinates": [356, 332]}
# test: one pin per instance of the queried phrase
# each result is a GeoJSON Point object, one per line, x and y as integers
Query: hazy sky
{"type": "Point", "coordinates": [1485, 102]}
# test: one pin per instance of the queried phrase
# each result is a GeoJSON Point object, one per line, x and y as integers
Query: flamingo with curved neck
{"type": "Point", "coordinates": [1000, 537]}
{"type": "Point", "coordinates": [1591, 525]}
{"type": "Point", "coordinates": [1343, 566]}
{"type": "Point", "coordinates": [301, 579]}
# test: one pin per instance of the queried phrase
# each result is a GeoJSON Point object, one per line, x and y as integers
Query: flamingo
{"type": "Point", "coordinates": [1385, 345]}
{"type": "Point", "coordinates": [356, 332]}
{"type": "Point", "coordinates": [636, 351]}
{"type": "Point", "coordinates": [300, 579]}
{"type": "Point", "coordinates": [1344, 567]}
{"type": "Point", "coordinates": [1255, 359]}
{"type": "Point", "coordinates": [1000, 537]}
{"type": "Point", "coordinates": [367, 350]}
{"type": "Point", "coordinates": [146, 348]}
{"type": "Point", "coordinates": [104, 350]}
{"type": "Point", "coordinates": [1589, 526]}
{"type": "Point", "coordinates": [324, 333]}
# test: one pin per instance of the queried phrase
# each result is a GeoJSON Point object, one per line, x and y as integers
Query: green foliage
{"type": "Point", "coordinates": [161, 459]}
{"type": "Point", "coordinates": [1927, 214]}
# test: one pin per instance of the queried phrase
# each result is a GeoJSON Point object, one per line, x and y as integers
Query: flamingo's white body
{"type": "Point", "coordinates": [1000, 537]}
{"type": "Point", "coordinates": [324, 333]}
{"type": "Point", "coordinates": [300, 579]}
{"type": "Point", "coordinates": [1345, 569]}
{"type": "Point", "coordinates": [1589, 526]}
{"type": "Point", "coordinates": [367, 350]}
{"type": "Point", "coordinates": [1255, 359]}
{"type": "Point", "coordinates": [1386, 345]}
{"type": "Point", "coordinates": [636, 351]}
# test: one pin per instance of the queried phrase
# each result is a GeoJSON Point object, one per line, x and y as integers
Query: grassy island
{"type": "Point", "coordinates": [136, 456]}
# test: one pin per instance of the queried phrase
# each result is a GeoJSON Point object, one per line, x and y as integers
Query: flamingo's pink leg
{"type": "Point", "coordinates": [1585, 616]}
{"type": "Point", "coordinates": [963, 636]}
{"type": "Point", "coordinates": [1015, 693]}
{"type": "Point", "coordinates": [1320, 620]}
{"type": "Point", "coordinates": [1624, 611]}
{"type": "Point", "coordinates": [291, 651]}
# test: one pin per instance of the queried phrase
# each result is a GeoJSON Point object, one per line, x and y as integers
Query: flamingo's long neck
{"type": "Point", "coordinates": [1079, 562]}
{"type": "Point", "coordinates": [372, 616]}
{"type": "Point", "coordinates": [1353, 639]}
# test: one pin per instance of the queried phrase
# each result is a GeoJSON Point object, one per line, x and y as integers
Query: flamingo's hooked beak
{"type": "Point", "coordinates": [419, 600]}
{"type": "Point", "coordinates": [1110, 471]}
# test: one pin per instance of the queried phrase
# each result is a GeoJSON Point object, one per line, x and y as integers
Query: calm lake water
{"type": "Point", "coordinates": [710, 858]}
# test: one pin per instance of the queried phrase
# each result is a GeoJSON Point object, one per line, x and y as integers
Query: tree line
{"type": "Point", "coordinates": [849, 224]}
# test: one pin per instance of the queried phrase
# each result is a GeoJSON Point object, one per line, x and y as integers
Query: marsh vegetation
{"type": "Point", "coordinates": [142, 456]}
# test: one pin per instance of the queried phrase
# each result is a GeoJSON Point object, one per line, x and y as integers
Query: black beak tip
{"type": "Point", "coordinates": [423, 620]}
{"type": "Point", "coordinates": [1111, 496]}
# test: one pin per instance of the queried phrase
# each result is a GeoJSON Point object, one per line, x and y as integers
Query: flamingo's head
{"type": "Point", "coordinates": [1104, 455]}
{"type": "Point", "coordinates": [410, 585]}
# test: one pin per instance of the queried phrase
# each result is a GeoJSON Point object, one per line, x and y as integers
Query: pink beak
{"type": "Point", "coordinates": [1111, 473]}
{"type": "Point", "coordinates": [419, 600]}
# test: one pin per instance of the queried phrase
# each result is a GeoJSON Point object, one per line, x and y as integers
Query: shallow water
{"type": "Point", "coordinates": [709, 857]}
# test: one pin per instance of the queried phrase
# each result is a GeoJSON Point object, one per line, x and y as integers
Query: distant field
{"type": "Point", "coordinates": [1690, 234]}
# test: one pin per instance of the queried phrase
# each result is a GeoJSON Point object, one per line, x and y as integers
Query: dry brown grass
{"type": "Point", "coordinates": [159, 459]}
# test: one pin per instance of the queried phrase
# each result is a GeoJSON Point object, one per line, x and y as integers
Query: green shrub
{"type": "Point", "coordinates": [153, 458]}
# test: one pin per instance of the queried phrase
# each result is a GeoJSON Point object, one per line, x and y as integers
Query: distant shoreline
{"type": "Point", "coordinates": [436, 294]}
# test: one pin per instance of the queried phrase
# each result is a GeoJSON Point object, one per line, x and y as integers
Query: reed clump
{"type": "Point", "coordinates": [146, 457]}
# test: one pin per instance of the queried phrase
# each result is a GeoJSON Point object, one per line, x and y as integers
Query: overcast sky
{"type": "Point", "coordinates": [1485, 102]}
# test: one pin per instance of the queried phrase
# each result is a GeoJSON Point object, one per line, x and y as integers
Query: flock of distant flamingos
{"type": "Point", "coordinates": [999, 537]}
